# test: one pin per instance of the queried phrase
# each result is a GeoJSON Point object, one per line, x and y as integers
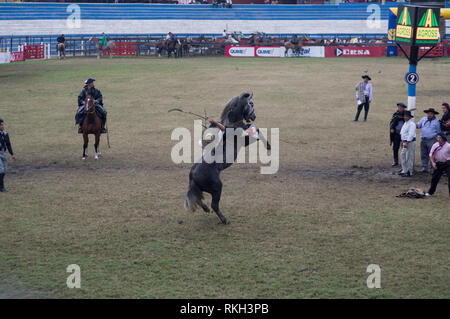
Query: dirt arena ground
{"type": "Point", "coordinates": [308, 231]}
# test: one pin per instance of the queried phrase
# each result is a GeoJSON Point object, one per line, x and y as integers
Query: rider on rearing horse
{"type": "Point", "coordinates": [97, 95]}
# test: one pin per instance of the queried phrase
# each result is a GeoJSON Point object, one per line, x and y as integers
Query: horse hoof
{"type": "Point", "coordinates": [96, 157]}
{"type": "Point", "coordinates": [83, 158]}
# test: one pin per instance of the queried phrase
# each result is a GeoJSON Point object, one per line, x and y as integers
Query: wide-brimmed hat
{"type": "Point", "coordinates": [441, 134]}
{"type": "Point", "coordinates": [408, 113]}
{"type": "Point", "coordinates": [90, 80]}
{"type": "Point", "coordinates": [401, 104]}
{"type": "Point", "coordinates": [366, 77]}
{"type": "Point", "coordinates": [431, 110]}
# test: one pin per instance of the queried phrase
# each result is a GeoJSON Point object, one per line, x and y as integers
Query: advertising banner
{"type": "Point", "coordinates": [240, 51]}
{"type": "Point", "coordinates": [355, 51]}
{"type": "Point", "coordinates": [308, 52]}
{"type": "Point", "coordinates": [269, 52]}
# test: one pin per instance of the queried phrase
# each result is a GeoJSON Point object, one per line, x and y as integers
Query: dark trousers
{"type": "Point", "coordinates": [441, 168]}
{"type": "Point", "coordinates": [396, 143]}
{"type": "Point", "coordinates": [365, 104]}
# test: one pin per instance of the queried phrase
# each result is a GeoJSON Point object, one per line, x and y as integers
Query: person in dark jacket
{"type": "Point", "coordinates": [395, 127]}
{"type": "Point", "coordinates": [5, 145]}
{"type": "Point", "coordinates": [89, 88]}
{"type": "Point", "coordinates": [445, 120]}
{"type": "Point", "coordinates": [61, 40]}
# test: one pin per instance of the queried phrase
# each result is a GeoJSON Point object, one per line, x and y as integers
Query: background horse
{"type": "Point", "coordinates": [92, 124]}
{"type": "Point", "coordinates": [204, 176]}
{"type": "Point", "coordinates": [296, 48]}
{"type": "Point", "coordinates": [61, 49]}
{"type": "Point", "coordinates": [173, 46]}
{"type": "Point", "coordinates": [110, 45]}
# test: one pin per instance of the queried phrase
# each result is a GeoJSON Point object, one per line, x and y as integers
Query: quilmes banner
{"type": "Point", "coordinates": [269, 52]}
{"type": "Point", "coordinates": [240, 51]}
{"type": "Point", "coordinates": [417, 25]}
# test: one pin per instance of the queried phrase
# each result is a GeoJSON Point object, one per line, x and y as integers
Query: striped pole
{"type": "Point", "coordinates": [412, 92]}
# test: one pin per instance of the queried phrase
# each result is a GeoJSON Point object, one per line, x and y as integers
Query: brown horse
{"type": "Point", "coordinates": [296, 48]}
{"type": "Point", "coordinates": [61, 49]}
{"type": "Point", "coordinates": [92, 124]}
{"type": "Point", "coordinates": [110, 45]}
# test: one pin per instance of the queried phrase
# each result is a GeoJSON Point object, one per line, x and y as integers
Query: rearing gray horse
{"type": "Point", "coordinates": [205, 176]}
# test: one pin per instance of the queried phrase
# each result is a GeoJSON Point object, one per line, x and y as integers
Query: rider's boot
{"type": "Point", "coordinates": [103, 125]}
{"type": "Point", "coordinates": [80, 130]}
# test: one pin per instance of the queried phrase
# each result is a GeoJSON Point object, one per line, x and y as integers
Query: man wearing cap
{"type": "Point", "coordinates": [429, 128]}
{"type": "Point", "coordinates": [445, 120]}
{"type": "Point", "coordinates": [395, 126]}
{"type": "Point", "coordinates": [363, 96]}
{"type": "Point", "coordinates": [97, 95]}
{"type": "Point", "coordinates": [408, 136]}
{"type": "Point", "coordinates": [440, 160]}
{"type": "Point", "coordinates": [5, 144]}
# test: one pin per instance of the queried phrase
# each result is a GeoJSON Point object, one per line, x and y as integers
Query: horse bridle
{"type": "Point", "coordinates": [88, 98]}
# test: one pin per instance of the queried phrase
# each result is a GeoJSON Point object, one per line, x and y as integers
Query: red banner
{"type": "Point", "coordinates": [122, 48]}
{"type": "Point", "coordinates": [355, 51]}
{"type": "Point", "coordinates": [17, 57]}
{"type": "Point", "coordinates": [34, 52]}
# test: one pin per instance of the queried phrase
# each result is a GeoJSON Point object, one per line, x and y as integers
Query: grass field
{"type": "Point", "coordinates": [309, 231]}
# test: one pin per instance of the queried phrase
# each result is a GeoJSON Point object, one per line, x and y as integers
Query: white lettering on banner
{"type": "Point", "coordinates": [311, 52]}
{"type": "Point", "coordinates": [240, 51]}
{"type": "Point", "coordinates": [274, 52]}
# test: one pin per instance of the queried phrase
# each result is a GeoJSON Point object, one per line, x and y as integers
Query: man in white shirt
{"type": "Point", "coordinates": [408, 136]}
{"type": "Point", "coordinates": [364, 96]}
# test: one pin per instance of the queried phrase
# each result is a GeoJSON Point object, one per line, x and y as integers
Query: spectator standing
{"type": "Point", "coordinates": [364, 95]}
{"type": "Point", "coordinates": [445, 120]}
{"type": "Point", "coordinates": [429, 128]}
{"type": "Point", "coordinates": [396, 125]}
{"type": "Point", "coordinates": [408, 136]}
{"type": "Point", "coordinates": [5, 145]}
{"type": "Point", "coordinates": [440, 159]}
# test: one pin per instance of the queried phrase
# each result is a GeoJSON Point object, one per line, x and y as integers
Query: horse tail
{"type": "Point", "coordinates": [193, 197]}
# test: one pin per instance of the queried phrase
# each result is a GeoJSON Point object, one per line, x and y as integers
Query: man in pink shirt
{"type": "Point", "coordinates": [440, 160]}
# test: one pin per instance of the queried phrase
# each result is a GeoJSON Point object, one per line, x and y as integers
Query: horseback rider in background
{"type": "Point", "coordinates": [103, 41]}
{"type": "Point", "coordinates": [97, 95]}
{"type": "Point", "coordinates": [61, 40]}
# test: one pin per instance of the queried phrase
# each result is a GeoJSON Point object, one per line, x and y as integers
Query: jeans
{"type": "Point", "coordinates": [425, 148]}
{"type": "Point", "coordinates": [397, 141]}
{"type": "Point", "coordinates": [3, 162]}
{"type": "Point", "coordinates": [364, 104]}
{"type": "Point", "coordinates": [441, 168]}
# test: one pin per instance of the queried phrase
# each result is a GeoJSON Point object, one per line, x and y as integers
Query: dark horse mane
{"type": "Point", "coordinates": [232, 104]}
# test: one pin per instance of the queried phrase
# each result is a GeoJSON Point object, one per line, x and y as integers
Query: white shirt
{"type": "Point", "coordinates": [408, 131]}
{"type": "Point", "coordinates": [367, 92]}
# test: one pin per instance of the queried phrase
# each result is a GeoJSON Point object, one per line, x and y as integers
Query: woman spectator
{"type": "Point", "coordinates": [445, 120]}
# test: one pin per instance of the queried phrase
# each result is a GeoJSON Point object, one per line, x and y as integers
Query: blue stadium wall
{"type": "Point", "coordinates": [47, 19]}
